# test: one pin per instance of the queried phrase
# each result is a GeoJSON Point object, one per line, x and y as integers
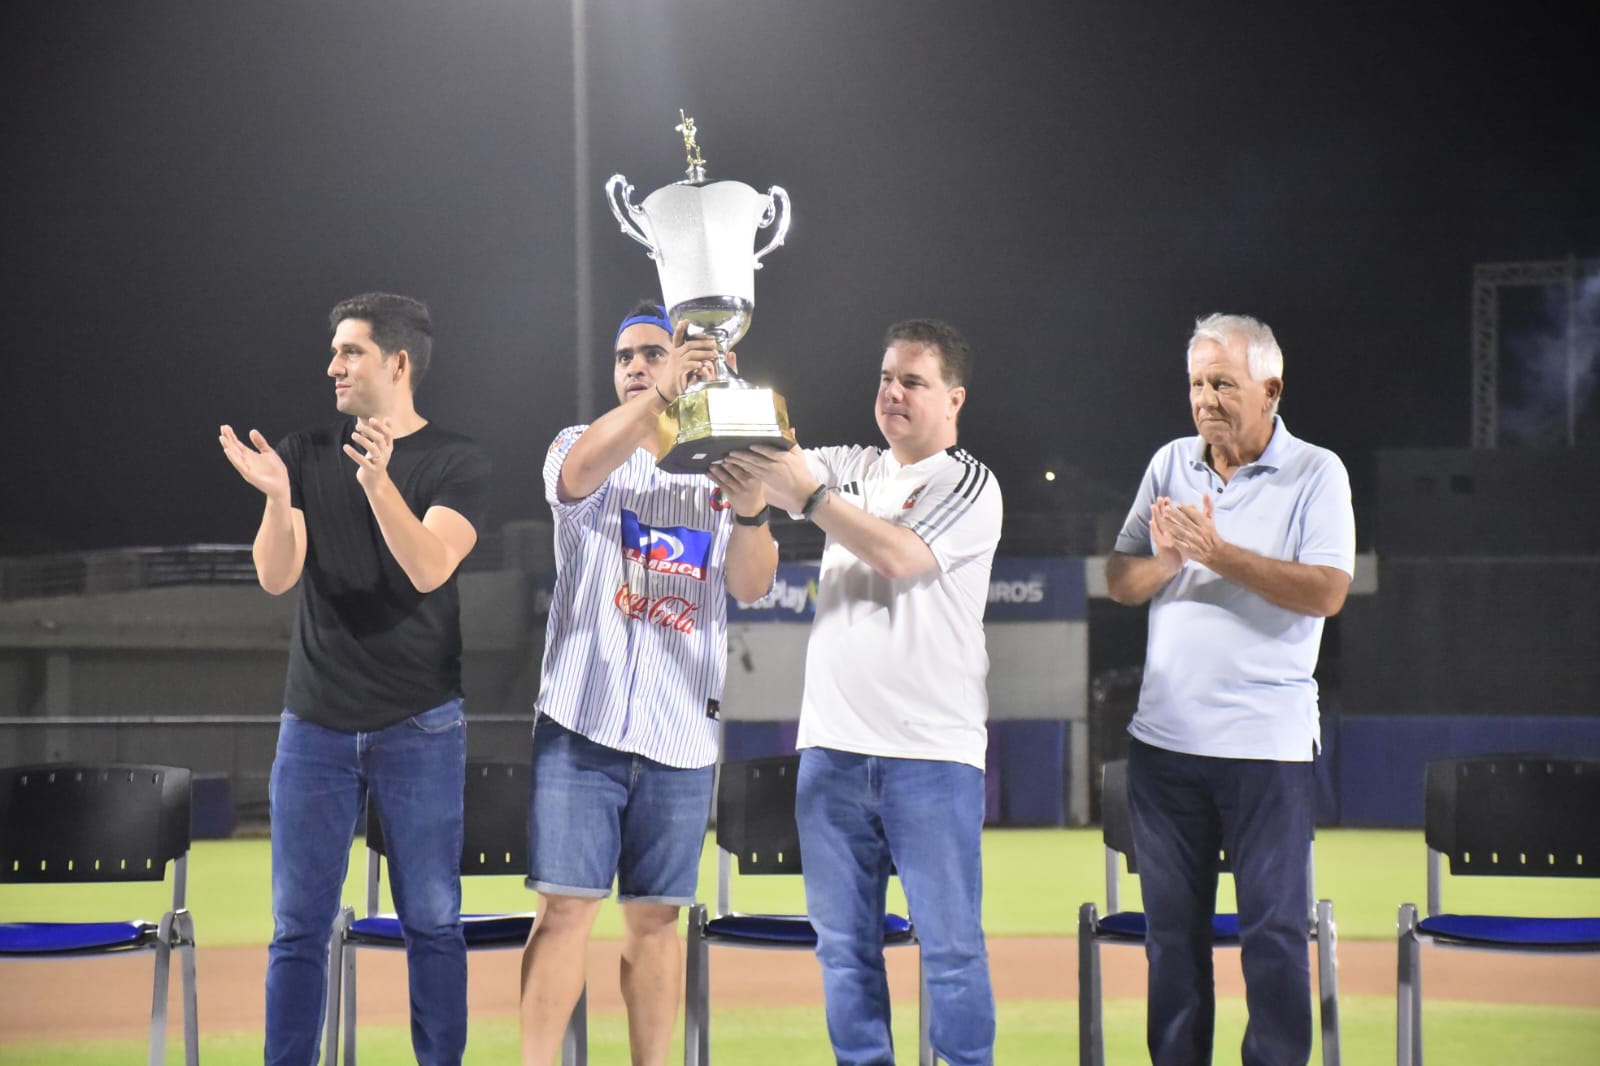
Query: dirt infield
{"type": "Point", "coordinates": [43, 1002]}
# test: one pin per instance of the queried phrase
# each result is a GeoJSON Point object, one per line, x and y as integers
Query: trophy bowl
{"type": "Point", "coordinates": [701, 238]}
{"type": "Point", "coordinates": [726, 318]}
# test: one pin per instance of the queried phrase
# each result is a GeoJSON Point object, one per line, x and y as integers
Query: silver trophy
{"type": "Point", "coordinates": [700, 237]}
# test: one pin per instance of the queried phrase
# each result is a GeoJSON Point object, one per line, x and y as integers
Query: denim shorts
{"type": "Point", "coordinates": [597, 814]}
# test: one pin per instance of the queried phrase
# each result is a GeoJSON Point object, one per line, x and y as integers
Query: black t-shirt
{"type": "Point", "coordinates": [369, 650]}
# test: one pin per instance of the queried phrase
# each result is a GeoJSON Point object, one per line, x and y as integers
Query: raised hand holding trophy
{"type": "Point", "coordinates": [701, 237]}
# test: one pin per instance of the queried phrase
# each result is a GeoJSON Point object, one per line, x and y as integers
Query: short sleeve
{"type": "Point", "coordinates": [960, 512]}
{"type": "Point", "coordinates": [464, 488]}
{"type": "Point", "coordinates": [1134, 537]}
{"type": "Point", "coordinates": [554, 460]}
{"type": "Point", "coordinates": [1327, 517]}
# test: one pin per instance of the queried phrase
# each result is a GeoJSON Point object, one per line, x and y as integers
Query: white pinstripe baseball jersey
{"type": "Point", "coordinates": [636, 643]}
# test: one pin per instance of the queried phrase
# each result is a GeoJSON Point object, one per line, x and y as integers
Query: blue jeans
{"type": "Point", "coordinates": [858, 814]}
{"type": "Point", "coordinates": [414, 773]}
{"type": "Point", "coordinates": [1184, 810]}
{"type": "Point", "coordinates": [596, 815]}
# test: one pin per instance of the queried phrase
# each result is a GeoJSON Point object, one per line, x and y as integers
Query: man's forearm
{"type": "Point", "coordinates": [752, 561]}
{"type": "Point", "coordinates": [1134, 579]}
{"type": "Point", "coordinates": [426, 558]}
{"type": "Point", "coordinates": [279, 548]}
{"type": "Point", "coordinates": [892, 550]}
{"type": "Point", "coordinates": [607, 444]}
{"type": "Point", "coordinates": [1318, 591]}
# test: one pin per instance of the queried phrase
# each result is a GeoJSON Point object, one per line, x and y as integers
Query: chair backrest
{"type": "Point", "coordinates": [1116, 823]}
{"type": "Point", "coordinates": [755, 814]}
{"type": "Point", "coordinates": [1515, 815]}
{"type": "Point", "coordinates": [72, 822]}
{"type": "Point", "coordinates": [495, 819]}
{"type": "Point", "coordinates": [1117, 830]}
{"type": "Point", "coordinates": [755, 821]}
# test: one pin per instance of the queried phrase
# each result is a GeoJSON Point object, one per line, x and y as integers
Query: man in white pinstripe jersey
{"type": "Point", "coordinates": [893, 721]}
{"type": "Point", "coordinates": [625, 733]}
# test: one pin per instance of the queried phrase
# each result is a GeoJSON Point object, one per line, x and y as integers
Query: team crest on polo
{"type": "Point", "coordinates": [916, 494]}
{"type": "Point", "coordinates": [672, 550]}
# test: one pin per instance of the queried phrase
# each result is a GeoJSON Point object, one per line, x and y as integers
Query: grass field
{"type": "Point", "coordinates": [1034, 881]}
{"type": "Point", "coordinates": [1032, 1033]}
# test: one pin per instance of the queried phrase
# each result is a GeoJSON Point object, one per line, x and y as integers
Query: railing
{"type": "Point", "coordinates": [123, 569]}
{"type": "Point", "coordinates": [237, 746]}
{"type": "Point", "coordinates": [126, 569]}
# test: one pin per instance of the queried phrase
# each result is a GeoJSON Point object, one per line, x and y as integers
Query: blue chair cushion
{"type": "Point", "coordinates": [481, 930]}
{"type": "Point", "coordinates": [1131, 925]}
{"type": "Point", "coordinates": [789, 929]}
{"type": "Point", "coordinates": [1493, 930]}
{"type": "Point", "coordinates": [48, 938]}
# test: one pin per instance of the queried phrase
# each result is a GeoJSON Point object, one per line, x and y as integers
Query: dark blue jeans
{"type": "Point", "coordinates": [856, 814]}
{"type": "Point", "coordinates": [1185, 808]}
{"type": "Point", "coordinates": [415, 774]}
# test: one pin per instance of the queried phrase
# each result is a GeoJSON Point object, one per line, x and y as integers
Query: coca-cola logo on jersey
{"type": "Point", "coordinates": [668, 612]}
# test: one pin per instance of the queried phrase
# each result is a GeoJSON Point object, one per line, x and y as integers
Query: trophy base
{"type": "Point", "coordinates": [702, 426]}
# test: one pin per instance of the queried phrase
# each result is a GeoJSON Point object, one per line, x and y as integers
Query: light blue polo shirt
{"type": "Point", "coordinates": [1227, 673]}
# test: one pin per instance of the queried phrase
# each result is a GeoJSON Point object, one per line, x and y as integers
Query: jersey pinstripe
{"type": "Point", "coordinates": [899, 668]}
{"type": "Point", "coordinates": [636, 642]}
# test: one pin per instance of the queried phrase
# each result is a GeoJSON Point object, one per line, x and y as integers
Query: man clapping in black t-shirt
{"type": "Point", "coordinates": [375, 513]}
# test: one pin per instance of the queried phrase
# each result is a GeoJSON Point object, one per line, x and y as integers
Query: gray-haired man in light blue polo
{"type": "Point", "coordinates": [1242, 540]}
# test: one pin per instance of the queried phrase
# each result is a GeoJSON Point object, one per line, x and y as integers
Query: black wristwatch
{"type": "Point", "coordinates": [758, 519]}
{"type": "Point", "coordinates": [814, 501]}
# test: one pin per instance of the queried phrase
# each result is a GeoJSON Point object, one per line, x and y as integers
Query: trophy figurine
{"type": "Point", "coordinates": [701, 238]}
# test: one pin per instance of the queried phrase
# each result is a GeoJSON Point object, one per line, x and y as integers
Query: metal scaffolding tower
{"type": "Point", "coordinates": [1487, 281]}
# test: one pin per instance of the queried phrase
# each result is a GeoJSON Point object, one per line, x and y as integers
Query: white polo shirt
{"type": "Point", "coordinates": [1227, 673]}
{"type": "Point", "coordinates": [899, 667]}
{"type": "Point", "coordinates": [636, 646]}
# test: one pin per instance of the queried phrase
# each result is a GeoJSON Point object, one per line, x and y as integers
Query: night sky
{"type": "Point", "coordinates": [189, 186]}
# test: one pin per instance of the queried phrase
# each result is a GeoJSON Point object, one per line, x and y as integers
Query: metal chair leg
{"type": "Point", "coordinates": [330, 1007]}
{"type": "Point", "coordinates": [1328, 982]}
{"type": "Point", "coordinates": [925, 1055]}
{"type": "Point", "coordinates": [1091, 1038]}
{"type": "Point", "coordinates": [349, 978]}
{"type": "Point", "coordinates": [1408, 990]}
{"type": "Point", "coordinates": [575, 1041]}
{"type": "Point", "coordinates": [191, 993]}
{"type": "Point", "coordinates": [697, 992]}
{"type": "Point", "coordinates": [158, 991]}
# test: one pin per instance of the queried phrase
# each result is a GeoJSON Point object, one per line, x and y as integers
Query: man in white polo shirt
{"type": "Point", "coordinates": [893, 719]}
{"type": "Point", "coordinates": [636, 649]}
{"type": "Point", "coordinates": [1242, 539]}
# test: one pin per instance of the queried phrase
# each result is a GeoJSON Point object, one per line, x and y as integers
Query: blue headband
{"type": "Point", "coordinates": [656, 319]}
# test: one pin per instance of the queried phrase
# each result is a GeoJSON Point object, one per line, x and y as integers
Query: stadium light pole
{"type": "Point", "coordinates": [583, 260]}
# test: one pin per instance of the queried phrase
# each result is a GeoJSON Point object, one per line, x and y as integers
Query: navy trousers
{"type": "Point", "coordinates": [1185, 809]}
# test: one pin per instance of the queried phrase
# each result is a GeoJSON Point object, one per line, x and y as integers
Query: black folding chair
{"type": "Point", "coordinates": [756, 824]}
{"type": "Point", "coordinates": [494, 842]}
{"type": "Point", "coordinates": [71, 824]}
{"type": "Point", "coordinates": [1499, 816]}
{"type": "Point", "coordinates": [1118, 926]}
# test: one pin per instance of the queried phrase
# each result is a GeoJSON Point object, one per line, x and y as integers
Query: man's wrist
{"type": "Point", "coordinates": [760, 518]}
{"type": "Point", "coordinates": [664, 398]}
{"type": "Point", "coordinates": [814, 501]}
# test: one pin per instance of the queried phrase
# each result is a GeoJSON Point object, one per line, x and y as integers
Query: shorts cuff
{"type": "Point", "coordinates": [550, 889]}
{"type": "Point", "coordinates": [669, 901]}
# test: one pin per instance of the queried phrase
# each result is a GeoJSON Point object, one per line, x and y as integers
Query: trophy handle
{"type": "Point", "coordinates": [617, 193]}
{"type": "Point", "coordinates": [777, 210]}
